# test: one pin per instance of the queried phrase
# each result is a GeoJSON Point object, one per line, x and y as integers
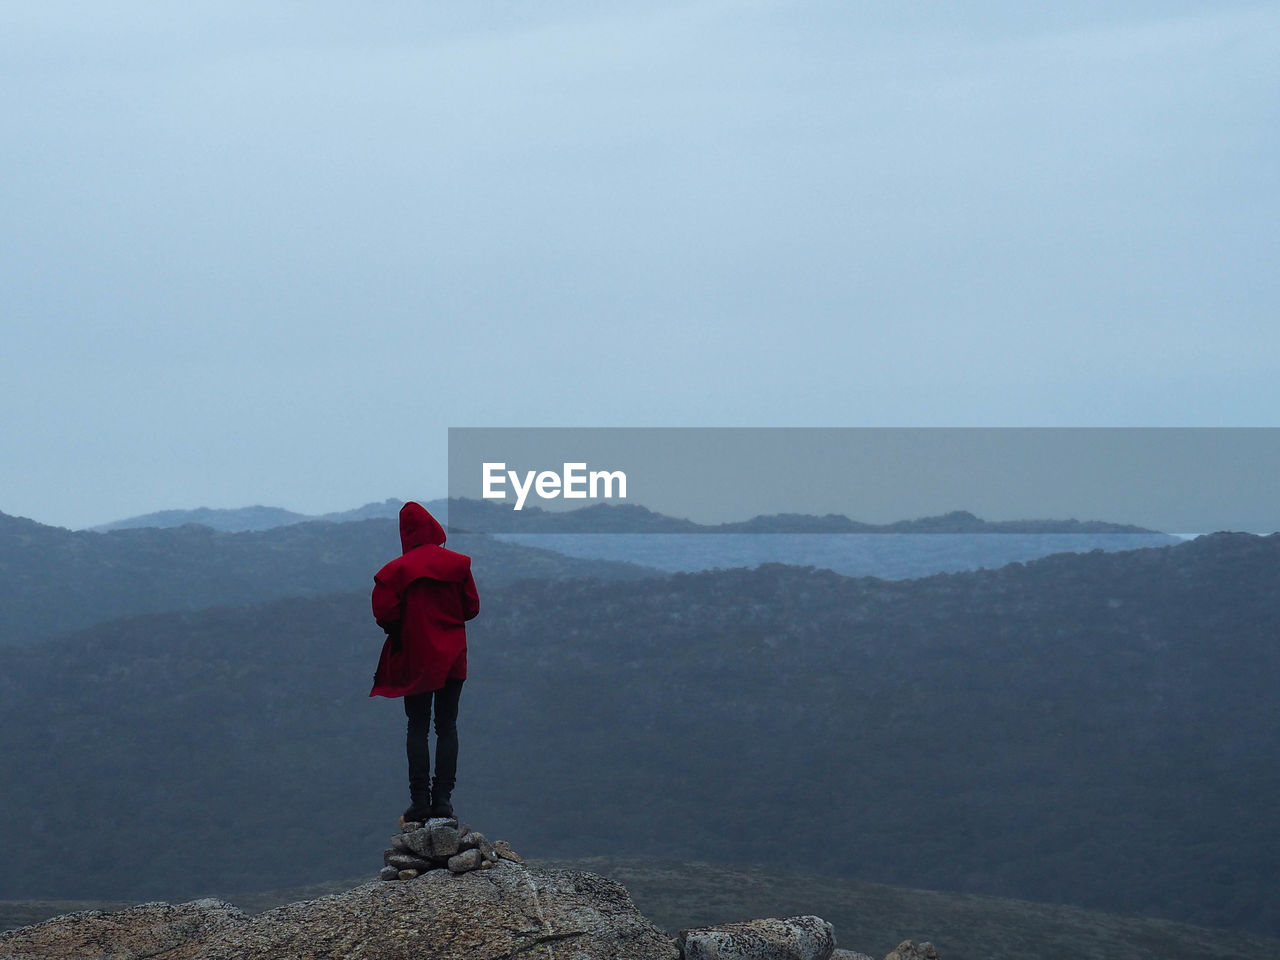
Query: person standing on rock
{"type": "Point", "coordinates": [422, 599]}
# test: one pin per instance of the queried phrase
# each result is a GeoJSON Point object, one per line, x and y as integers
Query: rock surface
{"type": "Point", "coordinates": [489, 914]}
{"type": "Point", "coordinates": [907, 950]}
{"type": "Point", "coordinates": [792, 938]}
{"type": "Point", "coordinates": [464, 861]}
{"type": "Point", "coordinates": [503, 849]}
{"type": "Point", "coordinates": [185, 931]}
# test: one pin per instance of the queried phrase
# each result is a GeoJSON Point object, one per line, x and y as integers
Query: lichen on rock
{"type": "Point", "coordinates": [789, 938]}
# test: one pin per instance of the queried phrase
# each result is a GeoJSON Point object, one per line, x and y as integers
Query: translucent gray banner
{"type": "Point", "coordinates": [863, 480]}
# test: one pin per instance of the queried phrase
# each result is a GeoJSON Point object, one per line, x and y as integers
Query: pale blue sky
{"type": "Point", "coordinates": [269, 252]}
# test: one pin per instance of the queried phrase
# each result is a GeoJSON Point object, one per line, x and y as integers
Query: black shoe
{"type": "Point", "coordinates": [417, 813]}
{"type": "Point", "coordinates": [441, 790]}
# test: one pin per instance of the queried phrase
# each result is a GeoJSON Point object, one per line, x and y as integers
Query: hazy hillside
{"type": "Point", "coordinates": [53, 580]}
{"type": "Point", "coordinates": [1099, 729]}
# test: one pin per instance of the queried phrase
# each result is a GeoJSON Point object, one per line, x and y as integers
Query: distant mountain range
{"type": "Point", "coordinates": [1099, 729]}
{"type": "Point", "coordinates": [53, 580]}
{"type": "Point", "coordinates": [487, 516]}
{"type": "Point", "coordinates": [240, 519]}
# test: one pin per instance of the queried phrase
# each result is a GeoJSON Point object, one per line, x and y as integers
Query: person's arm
{"type": "Point", "coordinates": [386, 607]}
{"type": "Point", "coordinates": [470, 599]}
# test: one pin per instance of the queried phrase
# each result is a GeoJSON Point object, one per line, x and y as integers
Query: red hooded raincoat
{"type": "Point", "coordinates": [429, 594]}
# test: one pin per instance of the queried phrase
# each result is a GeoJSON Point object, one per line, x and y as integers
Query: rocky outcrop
{"type": "Point", "coordinates": [794, 938]}
{"type": "Point", "coordinates": [481, 915]}
{"type": "Point", "coordinates": [493, 914]}
{"type": "Point", "coordinates": [502, 911]}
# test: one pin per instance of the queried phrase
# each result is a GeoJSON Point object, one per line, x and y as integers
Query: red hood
{"type": "Point", "coordinates": [417, 527]}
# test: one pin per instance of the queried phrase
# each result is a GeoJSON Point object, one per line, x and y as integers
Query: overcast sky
{"type": "Point", "coordinates": [270, 252]}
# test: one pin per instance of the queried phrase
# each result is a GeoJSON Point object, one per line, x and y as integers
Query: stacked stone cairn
{"type": "Point", "coordinates": [441, 844]}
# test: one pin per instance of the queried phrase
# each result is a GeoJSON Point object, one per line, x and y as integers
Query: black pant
{"type": "Point", "coordinates": [417, 707]}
